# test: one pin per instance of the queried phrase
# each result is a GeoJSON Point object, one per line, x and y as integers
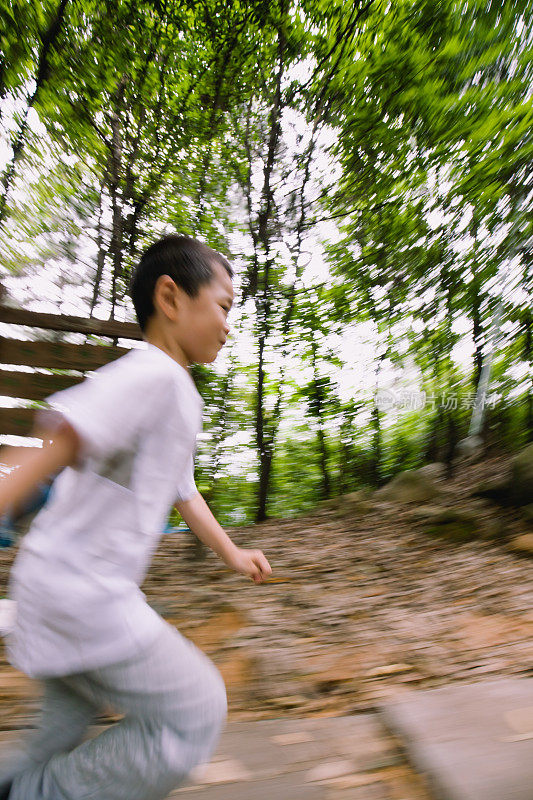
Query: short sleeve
{"type": "Point", "coordinates": [107, 410]}
{"type": "Point", "coordinates": [186, 488]}
{"type": "Point", "coordinates": [185, 422]}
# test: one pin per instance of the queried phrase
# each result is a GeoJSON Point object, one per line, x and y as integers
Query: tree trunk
{"type": "Point", "coordinates": [263, 446]}
{"type": "Point", "coordinates": [208, 155]}
{"type": "Point", "coordinates": [475, 300]}
{"type": "Point", "coordinates": [319, 414]}
{"type": "Point", "coordinates": [346, 452]}
{"type": "Point", "coordinates": [326, 483]}
{"type": "Point", "coordinates": [115, 174]}
{"type": "Point", "coordinates": [266, 439]}
{"type": "Point", "coordinates": [100, 257]}
{"type": "Point", "coordinates": [452, 439]}
{"type": "Point", "coordinates": [528, 353]}
{"type": "Point", "coordinates": [375, 462]}
{"type": "Point", "coordinates": [265, 464]}
{"type": "Point", "coordinates": [478, 414]}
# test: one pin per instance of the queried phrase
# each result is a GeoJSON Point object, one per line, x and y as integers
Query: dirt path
{"type": "Point", "coordinates": [357, 610]}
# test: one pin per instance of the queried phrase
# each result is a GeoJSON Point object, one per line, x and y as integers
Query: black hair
{"type": "Point", "coordinates": [187, 261]}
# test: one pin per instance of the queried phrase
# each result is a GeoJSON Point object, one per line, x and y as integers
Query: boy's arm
{"type": "Point", "coordinates": [202, 523]}
{"type": "Point", "coordinates": [34, 465]}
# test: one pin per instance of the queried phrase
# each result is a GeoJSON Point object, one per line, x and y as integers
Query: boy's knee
{"type": "Point", "coordinates": [205, 704]}
{"type": "Point", "coordinates": [196, 735]}
{"type": "Point", "coordinates": [220, 702]}
{"type": "Point", "coordinates": [212, 702]}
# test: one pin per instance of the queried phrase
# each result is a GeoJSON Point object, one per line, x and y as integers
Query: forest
{"type": "Point", "coordinates": [365, 166]}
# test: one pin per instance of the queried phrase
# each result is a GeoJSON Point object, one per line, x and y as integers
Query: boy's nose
{"type": "Point", "coordinates": [226, 328]}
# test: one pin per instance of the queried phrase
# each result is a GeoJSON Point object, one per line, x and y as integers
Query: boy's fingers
{"type": "Point", "coordinates": [261, 562]}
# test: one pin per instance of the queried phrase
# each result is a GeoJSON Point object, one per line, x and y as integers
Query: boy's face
{"type": "Point", "coordinates": [201, 325]}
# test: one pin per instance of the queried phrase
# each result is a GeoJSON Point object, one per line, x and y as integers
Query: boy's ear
{"type": "Point", "coordinates": [167, 297]}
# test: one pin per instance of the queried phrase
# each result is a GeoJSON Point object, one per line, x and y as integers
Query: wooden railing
{"type": "Point", "coordinates": [65, 363]}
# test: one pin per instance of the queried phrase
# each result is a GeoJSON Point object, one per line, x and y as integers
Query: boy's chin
{"type": "Point", "coordinates": [207, 358]}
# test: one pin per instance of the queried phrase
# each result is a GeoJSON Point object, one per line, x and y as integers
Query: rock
{"type": "Point", "coordinates": [454, 524]}
{"type": "Point", "coordinates": [488, 527]}
{"type": "Point", "coordinates": [435, 471]}
{"type": "Point", "coordinates": [522, 544]}
{"type": "Point", "coordinates": [360, 496]}
{"type": "Point", "coordinates": [389, 669]}
{"type": "Point", "coordinates": [470, 447]}
{"type": "Point", "coordinates": [496, 489]}
{"type": "Point", "coordinates": [385, 507]}
{"type": "Point", "coordinates": [352, 504]}
{"type": "Point", "coordinates": [527, 512]}
{"type": "Point", "coordinates": [514, 489]}
{"type": "Point", "coordinates": [327, 677]}
{"type": "Point", "coordinates": [425, 512]}
{"type": "Point", "coordinates": [522, 477]}
{"type": "Point", "coordinates": [410, 486]}
{"type": "Point", "coordinates": [289, 701]}
{"type": "Point", "coordinates": [355, 504]}
{"type": "Point", "coordinates": [494, 528]}
{"type": "Point", "coordinates": [492, 525]}
{"type": "Point", "coordinates": [329, 505]}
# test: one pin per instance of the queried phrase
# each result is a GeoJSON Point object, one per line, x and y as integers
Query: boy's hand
{"type": "Point", "coordinates": [35, 464]}
{"type": "Point", "coordinates": [200, 520]}
{"type": "Point", "coordinates": [249, 562]}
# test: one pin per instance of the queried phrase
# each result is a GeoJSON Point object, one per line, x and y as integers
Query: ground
{"type": "Point", "coordinates": [358, 610]}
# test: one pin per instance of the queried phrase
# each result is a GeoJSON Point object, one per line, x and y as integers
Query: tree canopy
{"type": "Point", "coordinates": [367, 167]}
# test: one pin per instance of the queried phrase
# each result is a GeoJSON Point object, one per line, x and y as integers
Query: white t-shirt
{"type": "Point", "coordinates": [76, 577]}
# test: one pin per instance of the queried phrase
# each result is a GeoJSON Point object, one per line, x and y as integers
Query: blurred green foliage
{"type": "Point", "coordinates": [367, 165]}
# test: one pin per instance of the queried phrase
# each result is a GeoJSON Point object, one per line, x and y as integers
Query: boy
{"type": "Point", "coordinates": [126, 438]}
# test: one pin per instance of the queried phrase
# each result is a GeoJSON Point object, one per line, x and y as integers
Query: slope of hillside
{"type": "Point", "coordinates": [358, 609]}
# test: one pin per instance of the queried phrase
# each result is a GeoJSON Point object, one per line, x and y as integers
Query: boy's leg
{"type": "Point", "coordinates": [64, 719]}
{"type": "Point", "coordinates": [175, 705]}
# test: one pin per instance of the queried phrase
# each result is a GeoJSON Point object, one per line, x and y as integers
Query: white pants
{"type": "Point", "coordinates": [174, 702]}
